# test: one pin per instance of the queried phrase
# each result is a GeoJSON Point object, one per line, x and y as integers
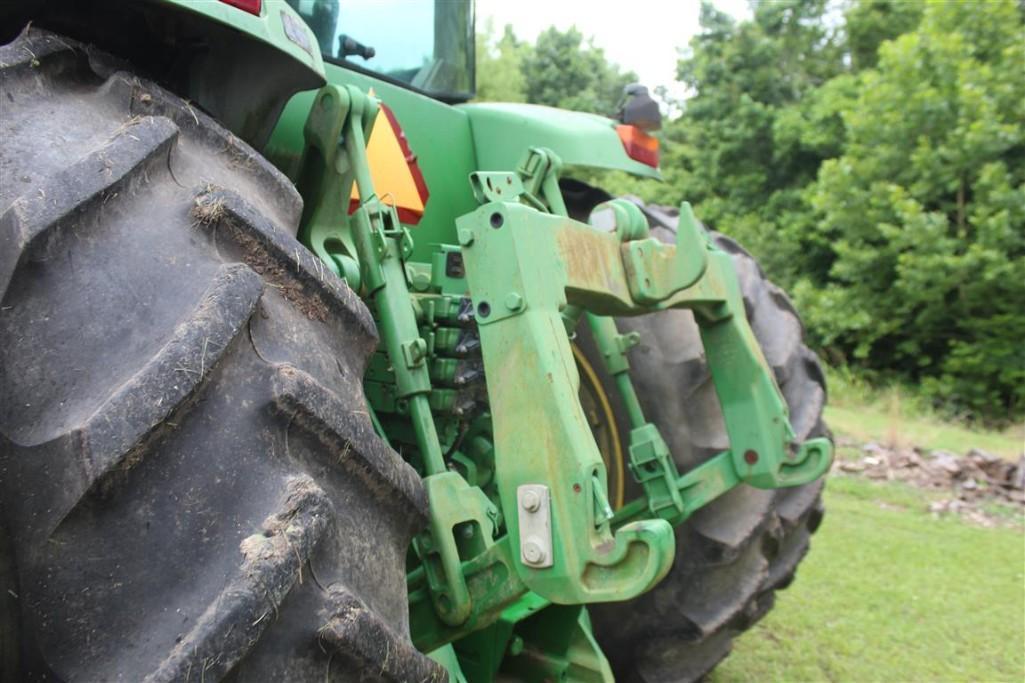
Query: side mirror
{"type": "Point", "coordinates": [639, 109]}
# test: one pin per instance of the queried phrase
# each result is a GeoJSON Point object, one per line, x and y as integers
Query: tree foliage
{"type": "Point", "coordinates": [755, 131]}
{"type": "Point", "coordinates": [500, 65]}
{"type": "Point", "coordinates": [563, 71]}
{"type": "Point", "coordinates": [877, 168]}
{"type": "Point", "coordinates": [925, 210]}
{"type": "Point", "coordinates": [560, 70]}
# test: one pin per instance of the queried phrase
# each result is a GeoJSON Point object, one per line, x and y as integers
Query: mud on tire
{"type": "Point", "coordinates": [191, 486]}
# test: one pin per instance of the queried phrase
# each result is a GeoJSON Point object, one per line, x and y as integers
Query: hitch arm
{"type": "Point", "coordinates": [578, 265]}
{"type": "Point", "coordinates": [518, 284]}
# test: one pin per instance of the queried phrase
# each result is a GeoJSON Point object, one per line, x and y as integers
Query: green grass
{"type": "Point", "coordinates": [896, 416]}
{"type": "Point", "coordinates": [890, 593]}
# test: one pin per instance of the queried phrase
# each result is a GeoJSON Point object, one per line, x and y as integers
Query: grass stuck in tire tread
{"type": "Point", "coordinates": [191, 486]}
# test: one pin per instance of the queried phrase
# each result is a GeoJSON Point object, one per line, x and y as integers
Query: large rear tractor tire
{"type": "Point", "coordinates": [735, 553]}
{"type": "Point", "coordinates": [191, 485]}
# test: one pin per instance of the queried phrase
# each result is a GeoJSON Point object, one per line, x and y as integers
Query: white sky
{"type": "Point", "coordinates": [638, 35]}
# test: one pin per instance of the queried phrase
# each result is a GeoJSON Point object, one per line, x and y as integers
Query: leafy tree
{"type": "Point", "coordinates": [749, 139]}
{"type": "Point", "coordinates": [499, 65]}
{"type": "Point", "coordinates": [926, 211]}
{"type": "Point", "coordinates": [562, 71]}
{"type": "Point", "coordinates": [871, 153]}
{"type": "Point", "coordinates": [870, 23]}
{"type": "Point", "coordinates": [559, 70]}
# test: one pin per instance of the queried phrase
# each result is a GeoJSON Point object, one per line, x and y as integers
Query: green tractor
{"type": "Point", "coordinates": [312, 369]}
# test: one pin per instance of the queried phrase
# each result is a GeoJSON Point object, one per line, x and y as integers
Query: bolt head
{"type": "Point", "coordinates": [531, 501]}
{"type": "Point", "coordinates": [513, 301]}
{"type": "Point", "coordinates": [465, 237]}
{"type": "Point", "coordinates": [533, 553]}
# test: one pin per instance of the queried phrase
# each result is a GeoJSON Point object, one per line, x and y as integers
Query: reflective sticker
{"type": "Point", "coordinates": [296, 31]}
{"type": "Point", "coordinates": [394, 170]}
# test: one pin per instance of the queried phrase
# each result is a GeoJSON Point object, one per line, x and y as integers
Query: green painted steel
{"type": "Point", "coordinates": [521, 534]}
{"type": "Point", "coordinates": [438, 134]}
{"type": "Point", "coordinates": [503, 132]}
{"type": "Point", "coordinates": [606, 282]}
{"type": "Point", "coordinates": [515, 270]}
{"type": "Point", "coordinates": [529, 267]}
{"type": "Point", "coordinates": [335, 133]}
{"type": "Point", "coordinates": [450, 142]}
{"type": "Point", "coordinates": [278, 25]}
{"type": "Point", "coordinates": [556, 646]}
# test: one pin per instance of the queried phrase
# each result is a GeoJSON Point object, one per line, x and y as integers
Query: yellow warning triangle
{"type": "Point", "coordinates": [394, 170]}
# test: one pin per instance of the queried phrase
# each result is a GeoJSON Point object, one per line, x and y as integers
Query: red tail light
{"type": "Point", "coordinates": [639, 145]}
{"type": "Point", "coordinates": [251, 6]}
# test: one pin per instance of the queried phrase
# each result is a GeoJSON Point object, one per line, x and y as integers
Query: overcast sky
{"type": "Point", "coordinates": [639, 35]}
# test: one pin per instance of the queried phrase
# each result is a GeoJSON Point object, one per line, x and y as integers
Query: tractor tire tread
{"type": "Point", "coordinates": [190, 484]}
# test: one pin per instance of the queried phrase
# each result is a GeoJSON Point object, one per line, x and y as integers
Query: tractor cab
{"type": "Point", "coordinates": [427, 46]}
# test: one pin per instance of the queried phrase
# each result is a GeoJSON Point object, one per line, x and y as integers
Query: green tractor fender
{"type": "Point", "coordinates": [239, 60]}
{"type": "Point", "coordinates": [502, 133]}
{"type": "Point", "coordinates": [275, 24]}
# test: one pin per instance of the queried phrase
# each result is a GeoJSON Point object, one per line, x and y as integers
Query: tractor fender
{"type": "Point", "coordinates": [502, 133]}
{"type": "Point", "coordinates": [238, 66]}
{"type": "Point", "coordinates": [277, 26]}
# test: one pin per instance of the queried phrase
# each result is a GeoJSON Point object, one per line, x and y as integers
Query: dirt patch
{"type": "Point", "coordinates": [982, 487]}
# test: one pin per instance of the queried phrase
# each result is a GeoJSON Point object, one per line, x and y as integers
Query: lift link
{"type": "Point", "coordinates": [654, 273]}
{"type": "Point", "coordinates": [548, 262]}
{"type": "Point", "coordinates": [651, 463]}
{"type": "Point", "coordinates": [519, 293]}
{"type": "Point", "coordinates": [336, 132]}
{"type": "Point", "coordinates": [763, 452]}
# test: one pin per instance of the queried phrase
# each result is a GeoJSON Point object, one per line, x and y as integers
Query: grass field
{"type": "Point", "coordinates": [896, 417]}
{"type": "Point", "coordinates": [891, 592]}
{"type": "Point", "coordinates": [877, 425]}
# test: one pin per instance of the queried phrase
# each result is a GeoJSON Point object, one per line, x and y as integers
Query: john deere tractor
{"type": "Point", "coordinates": [313, 369]}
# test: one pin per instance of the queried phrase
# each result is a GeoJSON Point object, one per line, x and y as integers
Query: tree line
{"type": "Point", "coordinates": [871, 155]}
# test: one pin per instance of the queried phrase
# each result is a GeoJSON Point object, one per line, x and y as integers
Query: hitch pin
{"type": "Point", "coordinates": [602, 509]}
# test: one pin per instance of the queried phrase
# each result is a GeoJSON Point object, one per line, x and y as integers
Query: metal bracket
{"type": "Point", "coordinates": [496, 187]}
{"type": "Point", "coordinates": [535, 183]}
{"type": "Point", "coordinates": [454, 505]}
{"type": "Point", "coordinates": [535, 512]}
{"type": "Point", "coordinates": [556, 263]}
{"type": "Point", "coordinates": [532, 380]}
{"type": "Point", "coordinates": [657, 273]}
